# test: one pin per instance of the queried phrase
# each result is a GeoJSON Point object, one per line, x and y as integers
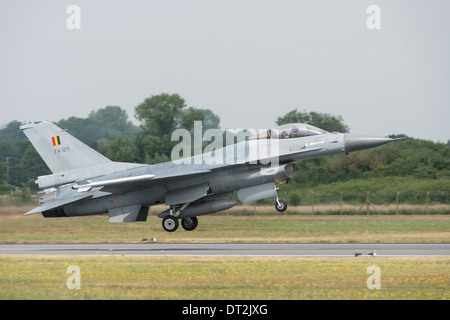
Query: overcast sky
{"type": "Point", "coordinates": [249, 61]}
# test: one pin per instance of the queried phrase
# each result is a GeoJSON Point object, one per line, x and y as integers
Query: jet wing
{"type": "Point", "coordinates": [58, 203]}
{"type": "Point", "coordinates": [88, 185]}
{"type": "Point", "coordinates": [144, 181]}
{"type": "Point", "coordinates": [167, 177]}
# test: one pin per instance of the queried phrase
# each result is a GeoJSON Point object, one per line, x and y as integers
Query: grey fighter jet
{"type": "Point", "coordinates": [84, 182]}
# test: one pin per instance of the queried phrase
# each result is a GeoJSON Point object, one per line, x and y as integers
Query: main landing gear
{"type": "Point", "coordinates": [170, 223]}
{"type": "Point", "coordinates": [190, 223]}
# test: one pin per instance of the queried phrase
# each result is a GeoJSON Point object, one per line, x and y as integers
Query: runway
{"type": "Point", "coordinates": [232, 249]}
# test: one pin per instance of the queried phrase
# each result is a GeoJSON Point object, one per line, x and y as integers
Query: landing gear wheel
{"type": "Point", "coordinates": [281, 205]}
{"type": "Point", "coordinates": [189, 224]}
{"type": "Point", "coordinates": [170, 224]}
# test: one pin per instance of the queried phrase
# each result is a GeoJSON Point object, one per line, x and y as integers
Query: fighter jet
{"type": "Point", "coordinates": [84, 182]}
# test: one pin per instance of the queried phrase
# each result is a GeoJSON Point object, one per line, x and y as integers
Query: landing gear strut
{"type": "Point", "coordinates": [280, 205]}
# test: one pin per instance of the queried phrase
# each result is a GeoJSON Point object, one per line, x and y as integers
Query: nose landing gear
{"type": "Point", "coordinates": [280, 205]}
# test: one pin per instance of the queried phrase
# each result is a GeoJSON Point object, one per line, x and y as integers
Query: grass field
{"type": "Point", "coordinates": [118, 277]}
{"type": "Point", "coordinates": [15, 228]}
{"type": "Point", "coordinates": [268, 278]}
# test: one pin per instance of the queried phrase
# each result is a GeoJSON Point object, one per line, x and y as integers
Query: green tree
{"type": "Point", "coordinates": [100, 126]}
{"type": "Point", "coordinates": [31, 166]}
{"type": "Point", "coordinates": [84, 129]}
{"type": "Point", "coordinates": [113, 122]}
{"type": "Point", "coordinates": [188, 116]}
{"type": "Point", "coordinates": [15, 151]}
{"type": "Point", "coordinates": [212, 121]}
{"type": "Point", "coordinates": [160, 115]}
{"type": "Point", "coordinates": [12, 131]}
{"type": "Point", "coordinates": [9, 148]}
{"type": "Point", "coordinates": [324, 121]}
{"type": "Point", "coordinates": [120, 149]}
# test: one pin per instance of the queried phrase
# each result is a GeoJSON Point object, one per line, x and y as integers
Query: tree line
{"type": "Point", "coordinates": [110, 131]}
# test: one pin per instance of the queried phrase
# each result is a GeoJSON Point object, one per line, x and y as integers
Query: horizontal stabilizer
{"type": "Point", "coordinates": [58, 203]}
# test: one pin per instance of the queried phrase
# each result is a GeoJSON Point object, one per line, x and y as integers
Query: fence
{"type": "Point", "coordinates": [343, 203]}
{"type": "Point", "coordinates": [420, 202]}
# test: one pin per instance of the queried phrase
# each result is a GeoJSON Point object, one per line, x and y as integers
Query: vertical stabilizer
{"type": "Point", "coordinates": [60, 150]}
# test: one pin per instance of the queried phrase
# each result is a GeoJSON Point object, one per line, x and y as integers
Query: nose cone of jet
{"type": "Point", "coordinates": [355, 142]}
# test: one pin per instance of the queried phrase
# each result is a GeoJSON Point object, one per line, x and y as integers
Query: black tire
{"type": "Point", "coordinates": [170, 223]}
{"type": "Point", "coordinates": [282, 206]}
{"type": "Point", "coordinates": [190, 223]}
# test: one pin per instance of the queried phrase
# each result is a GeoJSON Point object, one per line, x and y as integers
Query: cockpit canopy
{"type": "Point", "coordinates": [290, 130]}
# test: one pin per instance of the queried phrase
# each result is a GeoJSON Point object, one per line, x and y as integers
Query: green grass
{"type": "Point", "coordinates": [118, 277]}
{"type": "Point", "coordinates": [33, 277]}
{"type": "Point", "coordinates": [15, 228]}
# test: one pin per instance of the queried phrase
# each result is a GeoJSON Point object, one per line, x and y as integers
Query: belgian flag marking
{"type": "Point", "coordinates": [56, 141]}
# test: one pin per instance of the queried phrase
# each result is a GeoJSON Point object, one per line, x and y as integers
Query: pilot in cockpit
{"type": "Point", "coordinates": [289, 131]}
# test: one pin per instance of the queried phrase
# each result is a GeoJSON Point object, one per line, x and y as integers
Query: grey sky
{"type": "Point", "coordinates": [249, 61]}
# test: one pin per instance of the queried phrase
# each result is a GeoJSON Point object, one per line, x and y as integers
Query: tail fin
{"type": "Point", "coordinates": [60, 150]}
